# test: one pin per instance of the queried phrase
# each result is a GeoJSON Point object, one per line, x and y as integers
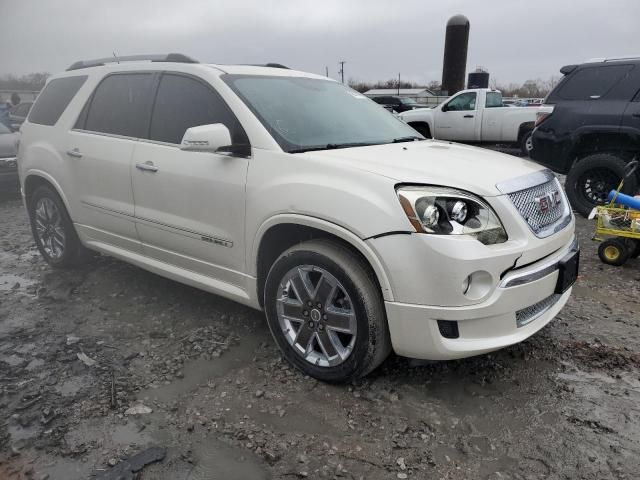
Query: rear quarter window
{"type": "Point", "coordinates": [54, 99]}
{"type": "Point", "coordinates": [590, 83]}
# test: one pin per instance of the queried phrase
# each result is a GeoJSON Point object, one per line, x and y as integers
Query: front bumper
{"type": "Point", "coordinates": [519, 302]}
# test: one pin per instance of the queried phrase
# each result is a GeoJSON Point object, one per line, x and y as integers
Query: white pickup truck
{"type": "Point", "coordinates": [475, 116]}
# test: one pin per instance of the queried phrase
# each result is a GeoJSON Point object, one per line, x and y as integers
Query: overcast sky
{"type": "Point", "coordinates": [514, 39]}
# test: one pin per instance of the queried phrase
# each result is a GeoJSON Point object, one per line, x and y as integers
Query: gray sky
{"type": "Point", "coordinates": [514, 39]}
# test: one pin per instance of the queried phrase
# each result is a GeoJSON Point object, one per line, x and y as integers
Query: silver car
{"type": "Point", "coordinates": [8, 152]}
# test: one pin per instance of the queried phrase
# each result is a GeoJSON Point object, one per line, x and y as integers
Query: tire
{"type": "Point", "coordinates": [590, 180]}
{"type": "Point", "coordinates": [614, 252]}
{"type": "Point", "coordinates": [354, 304]}
{"type": "Point", "coordinates": [525, 143]}
{"type": "Point", "coordinates": [53, 230]}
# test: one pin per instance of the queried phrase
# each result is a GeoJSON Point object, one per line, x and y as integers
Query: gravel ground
{"type": "Point", "coordinates": [102, 362]}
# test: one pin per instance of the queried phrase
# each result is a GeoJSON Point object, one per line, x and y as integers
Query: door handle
{"type": "Point", "coordinates": [75, 153]}
{"type": "Point", "coordinates": [468, 116]}
{"type": "Point", "coordinates": [147, 166]}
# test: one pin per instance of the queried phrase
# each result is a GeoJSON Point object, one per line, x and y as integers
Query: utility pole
{"type": "Point", "coordinates": [326, 71]}
{"type": "Point", "coordinates": [398, 83]}
{"type": "Point", "coordinates": [341, 71]}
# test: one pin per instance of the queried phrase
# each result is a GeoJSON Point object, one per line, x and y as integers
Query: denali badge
{"type": "Point", "coordinates": [548, 201]}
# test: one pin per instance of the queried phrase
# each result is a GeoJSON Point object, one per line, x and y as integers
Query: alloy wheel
{"type": "Point", "coordinates": [596, 184]}
{"type": "Point", "coordinates": [316, 315]}
{"type": "Point", "coordinates": [48, 227]}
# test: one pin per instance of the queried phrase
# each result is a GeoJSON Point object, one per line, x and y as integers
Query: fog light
{"type": "Point", "coordinates": [478, 285]}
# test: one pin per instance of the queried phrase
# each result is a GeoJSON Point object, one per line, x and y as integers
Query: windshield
{"type": "Point", "coordinates": [312, 114]}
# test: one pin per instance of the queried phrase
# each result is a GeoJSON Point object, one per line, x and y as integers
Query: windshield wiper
{"type": "Point", "coordinates": [410, 138]}
{"type": "Point", "coordinates": [331, 146]}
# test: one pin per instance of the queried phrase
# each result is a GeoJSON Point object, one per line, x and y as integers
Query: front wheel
{"type": "Point", "coordinates": [326, 312]}
{"type": "Point", "coordinates": [592, 178]}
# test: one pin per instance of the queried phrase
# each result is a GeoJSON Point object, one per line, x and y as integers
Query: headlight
{"type": "Point", "coordinates": [446, 211]}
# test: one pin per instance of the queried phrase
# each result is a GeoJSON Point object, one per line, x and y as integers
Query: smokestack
{"type": "Point", "coordinates": [455, 54]}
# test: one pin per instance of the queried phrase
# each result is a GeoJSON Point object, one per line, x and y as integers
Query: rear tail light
{"type": "Point", "coordinates": [542, 116]}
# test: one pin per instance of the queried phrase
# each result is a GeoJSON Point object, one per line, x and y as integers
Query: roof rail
{"type": "Point", "coordinates": [271, 65]}
{"type": "Point", "coordinates": [612, 59]}
{"type": "Point", "coordinates": [170, 57]}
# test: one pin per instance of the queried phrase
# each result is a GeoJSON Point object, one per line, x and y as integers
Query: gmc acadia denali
{"type": "Point", "coordinates": [294, 194]}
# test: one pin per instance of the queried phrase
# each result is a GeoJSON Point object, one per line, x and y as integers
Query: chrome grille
{"type": "Point", "coordinates": [526, 192]}
{"type": "Point", "coordinates": [530, 313]}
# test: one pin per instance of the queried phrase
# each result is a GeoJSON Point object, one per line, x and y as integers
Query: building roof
{"type": "Point", "coordinates": [403, 91]}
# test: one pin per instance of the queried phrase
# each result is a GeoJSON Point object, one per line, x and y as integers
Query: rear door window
{"type": "Point", "coordinates": [591, 83]}
{"type": "Point", "coordinates": [494, 99]}
{"type": "Point", "coordinates": [184, 102]}
{"type": "Point", "coordinates": [120, 105]}
{"type": "Point", "coordinates": [54, 99]}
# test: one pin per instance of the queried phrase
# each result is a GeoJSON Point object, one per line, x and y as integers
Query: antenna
{"type": "Point", "coordinates": [116, 57]}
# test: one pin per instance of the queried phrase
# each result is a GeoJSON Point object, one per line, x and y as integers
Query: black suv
{"type": "Point", "coordinates": [399, 104]}
{"type": "Point", "coordinates": [593, 129]}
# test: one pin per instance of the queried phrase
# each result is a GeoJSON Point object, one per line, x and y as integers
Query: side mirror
{"type": "Point", "coordinates": [206, 138]}
{"type": "Point", "coordinates": [445, 108]}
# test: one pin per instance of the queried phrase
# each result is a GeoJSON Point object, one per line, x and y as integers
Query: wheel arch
{"type": "Point", "coordinates": [525, 128]}
{"type": "Point", "coordinates": [423, 127]}
{"type": "Point", "coordinates": [35, 178]}
{"type": "Point", "coordinates": [283, 231]}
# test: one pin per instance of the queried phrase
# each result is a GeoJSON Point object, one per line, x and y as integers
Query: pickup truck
{"type": "Point", "coordinates": [475, 116]}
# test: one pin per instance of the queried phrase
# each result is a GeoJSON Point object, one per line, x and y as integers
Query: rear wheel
{"type": "Point", "coordinates": [526, 143]}
{"type": "Point", "coordinates": [326, 312]}
{"type": "Point", "coordinates": [613, 251]}
{"type": "Point", "coordinates": [591, 179]}
{"type": "Point", "coordinates": [52, 228]}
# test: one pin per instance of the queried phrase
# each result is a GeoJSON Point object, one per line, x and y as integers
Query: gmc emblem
{"type": "Point", "coordinates": [548, 201]}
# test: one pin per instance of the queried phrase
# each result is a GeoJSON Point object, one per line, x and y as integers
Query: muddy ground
{"type": "Point", "coordinates": [224, 405]}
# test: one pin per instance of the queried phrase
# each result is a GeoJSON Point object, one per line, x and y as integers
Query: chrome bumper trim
{"type": "Point", "coordinates": [540, 271]}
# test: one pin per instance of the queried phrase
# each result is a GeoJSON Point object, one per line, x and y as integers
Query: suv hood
{"type": "Point", "coordinates": [434, 162]}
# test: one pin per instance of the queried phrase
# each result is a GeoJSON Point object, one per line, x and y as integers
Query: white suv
{"type": "Point", "coordinates": [294, 194]}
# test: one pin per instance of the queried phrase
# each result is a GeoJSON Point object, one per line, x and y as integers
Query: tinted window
{"type": "Point", "coordinates": [120, 105]}
{"type": "Point", "coordinates": [464, 101]}
{"type": "Point", "coordinates": [54, 99]}
{"type": "Point", "coordinates": [494, 99]}
{"type": "Point", "coordinates": [182, 103]}
{"type": "Point", "coordinates": [592, 82]}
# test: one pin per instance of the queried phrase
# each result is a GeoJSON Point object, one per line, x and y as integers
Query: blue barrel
{"type": "Point", "coordinates": [626, 200]}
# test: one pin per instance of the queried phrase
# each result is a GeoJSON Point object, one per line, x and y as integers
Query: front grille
{"type": "Point", "coordinates": [530, 313]}
{"type": "Point", "coordinates": [527, 203]}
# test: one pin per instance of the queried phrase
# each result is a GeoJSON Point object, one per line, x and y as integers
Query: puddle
{"type": "Point", "coordinates": [199, 372]}
{"type": "Point", "coordinates": [72, 386]}
{"type": "Point", "coordinates": [19, 433]}
{"type": "Point", "coordinates": [14, 282]}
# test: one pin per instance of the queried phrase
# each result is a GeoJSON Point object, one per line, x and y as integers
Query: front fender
{"type": "Point", "coordinates": [328, 227]}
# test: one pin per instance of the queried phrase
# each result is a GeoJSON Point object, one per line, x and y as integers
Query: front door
{"type": "Point", "coordinates": [456, 120]}
{"type": "Point", "coordinates": [189, 206]}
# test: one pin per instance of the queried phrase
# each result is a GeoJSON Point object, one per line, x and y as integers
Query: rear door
{"type": "Point", "coordinates": [100, 150]}
{"type": "Point", "coordinates": [190, 205]}
{"type": "Point", "coordinates": [456, 119]}
{"type": "Point", "coordinates": [631, 123]}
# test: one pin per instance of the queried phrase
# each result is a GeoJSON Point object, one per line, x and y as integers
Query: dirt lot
{"type": "Point", "coordinates": [79, 348]}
